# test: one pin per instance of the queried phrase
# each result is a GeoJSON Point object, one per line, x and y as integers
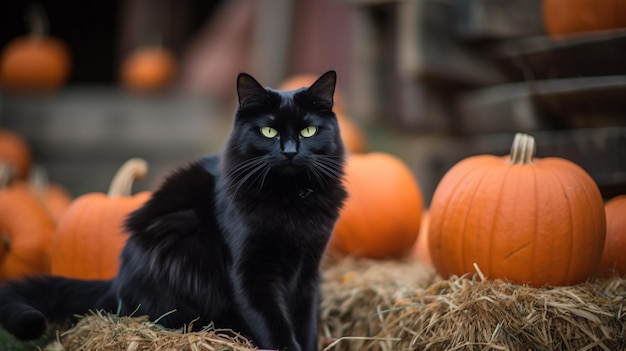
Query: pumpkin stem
{"type": "Point", "coordinates": [523, 149]}
{"type": "Point", "coordinates": [122, 183]}
{"type": "Point", "coordinates": [37, 20]}
{"type": "Point", "coordinates": [38, 180]}
{"type": "Point", "coordinates": [7, 174]}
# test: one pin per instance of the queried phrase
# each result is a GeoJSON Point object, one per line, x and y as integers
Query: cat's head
{"type": "Point", "coordinates": [284, 137]}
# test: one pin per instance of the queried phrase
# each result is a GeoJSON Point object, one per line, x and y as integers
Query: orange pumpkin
{"type": "Point", "coordinates": [420, 249]}
{"type": "Point", "coordinates": [381, 217]}
{"type": "Point", "coordinates": [148, 69]}
{"type": "Point", "coordinates": [36, 62]}
{"type": "Point", "coordinates": [613, 260]}
{"type": "Point", "coordinates": [528, 220]}
{"type": "Point", "coordinates": [353, 137]}
{"type": "Point", "coordinates": [90, 235]}
{"type": "Point", "coordinates": [26, 231]}
{"type": "Point", "coordinates": [575, 16]}
{"type": "Point", "coordinates": [15, 151]}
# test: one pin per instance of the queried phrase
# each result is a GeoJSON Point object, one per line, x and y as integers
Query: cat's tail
{"type": "Point", "coordinates": [26, 305]}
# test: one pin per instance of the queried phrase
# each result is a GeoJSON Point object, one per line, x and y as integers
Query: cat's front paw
{"type": "Point", "coordinates": [28, 325]}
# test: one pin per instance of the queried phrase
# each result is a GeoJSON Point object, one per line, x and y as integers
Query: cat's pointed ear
{"type": "Point", "coordinates": [324, 88]}
{"type": "Point", "coordinates": [248, 89]}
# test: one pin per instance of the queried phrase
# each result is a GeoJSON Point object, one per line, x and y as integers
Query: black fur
{"type": "Point", "coordinates": [234, 238]}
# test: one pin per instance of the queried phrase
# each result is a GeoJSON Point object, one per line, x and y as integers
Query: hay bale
{"type": "Point", "coordinates": [356, 291]}
{"type": "Point", "coordinates": [99, 331]}
{"type": "Point", "coordinates": [392, 306]}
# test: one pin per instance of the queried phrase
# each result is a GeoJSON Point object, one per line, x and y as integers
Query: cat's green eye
{"type": "Point", "coordinates": [308, 131]}
{"type": "Point", "coordinates": [269, 132]}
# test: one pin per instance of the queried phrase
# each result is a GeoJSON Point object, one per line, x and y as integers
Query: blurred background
{"type": "Point", "coordinates": [430, 81]}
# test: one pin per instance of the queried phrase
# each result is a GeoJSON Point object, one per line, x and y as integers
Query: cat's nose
{"type": "Point", "coordinates": [290, 149]}
{"type": "Point", "coordinates": [290, 155]}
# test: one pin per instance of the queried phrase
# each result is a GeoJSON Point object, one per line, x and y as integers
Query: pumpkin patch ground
{"type": "Point", "coordinates": [404, 305]}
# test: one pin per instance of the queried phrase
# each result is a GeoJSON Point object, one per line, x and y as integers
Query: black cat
{"type": "Point", "coordinates": [234, 238]}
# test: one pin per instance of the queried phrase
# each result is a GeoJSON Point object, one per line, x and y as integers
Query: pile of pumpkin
{"type": "Point", "coordinates": [524, 219]}
{"type": "Point", "coordinates": [531, 221]}
{"type": "Point", "coordinates": [527, 220]}
{"type": "Point", "coordinates": [46, 231]}
{"type": "Point", "coordinates": [41, 62]}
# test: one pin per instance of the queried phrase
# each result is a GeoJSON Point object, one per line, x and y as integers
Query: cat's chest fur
{"type": "Point", "coordinates": [282, 224]}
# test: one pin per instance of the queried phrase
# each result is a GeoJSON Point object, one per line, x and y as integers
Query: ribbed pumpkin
{"type": "Point", "coordinates": [35, 62]}
{"type": "Point", "coordinates": [148, 69]}
{"type": "Point", "coordinates": [576, 16]}
{"type": "Point", "coordinates": [26, 230]}
{"type": "Point", "coordinates": [381, 218]}
{"type": "Point", "coordinates": [90, 235]}
{"type": "Point", "coordinates": [15, 151]}
{"type": "Point", "coordinates": [614, 255]}
{"type": "Point", "coordinates": [529, 220]}
{"type": "Point", "coordinates": [353, 137]}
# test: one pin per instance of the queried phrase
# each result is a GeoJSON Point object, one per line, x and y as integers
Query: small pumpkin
{"type": "Point", "coordinates": [35, 62]}
{"type": "Point", "coordinates": [148, 69]}
{"type": "Point", "coordinates": [575, 16]}
{"type": "Point", "coordinates": [90, 236]}
{"type": "Point", "coordinates": [381, 217]}
{"type": "Point", "coordinates": [613, 260]}
{"type": "Point", "coordinates": [353, 137]}
{"type": "Point", "coordinates": [15, 151]}
{"type": "Point", "coordinates": [26, 230]}
{"type": "Point", "coordinates": [529, 220]}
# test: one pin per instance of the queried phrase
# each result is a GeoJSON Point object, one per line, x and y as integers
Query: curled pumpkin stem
{"type": "Point", "coordinates": [523, 149]}
{"type": "Point", "coordinates": [131, 170]}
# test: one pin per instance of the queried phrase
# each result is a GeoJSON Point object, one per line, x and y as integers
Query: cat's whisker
{"type": "Point", "coordinates": [329, 167]}
{"type": "Point", "coordinates": [331, 160]}
{"type": "Point", "coordinates": [317, 175]}
{"type": "Point", "coordinates": [324, 177]}
{"type": "Point", "coordinates": [246, 172]}
{"type": "Point", "coordinates": [261, 172]}
{"type": "Point", "coordinates": [325, 172]}
{"type": "Point", "coordinates": [244, 166]}
{"type": "Point", "coordinates": [264, 175]}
